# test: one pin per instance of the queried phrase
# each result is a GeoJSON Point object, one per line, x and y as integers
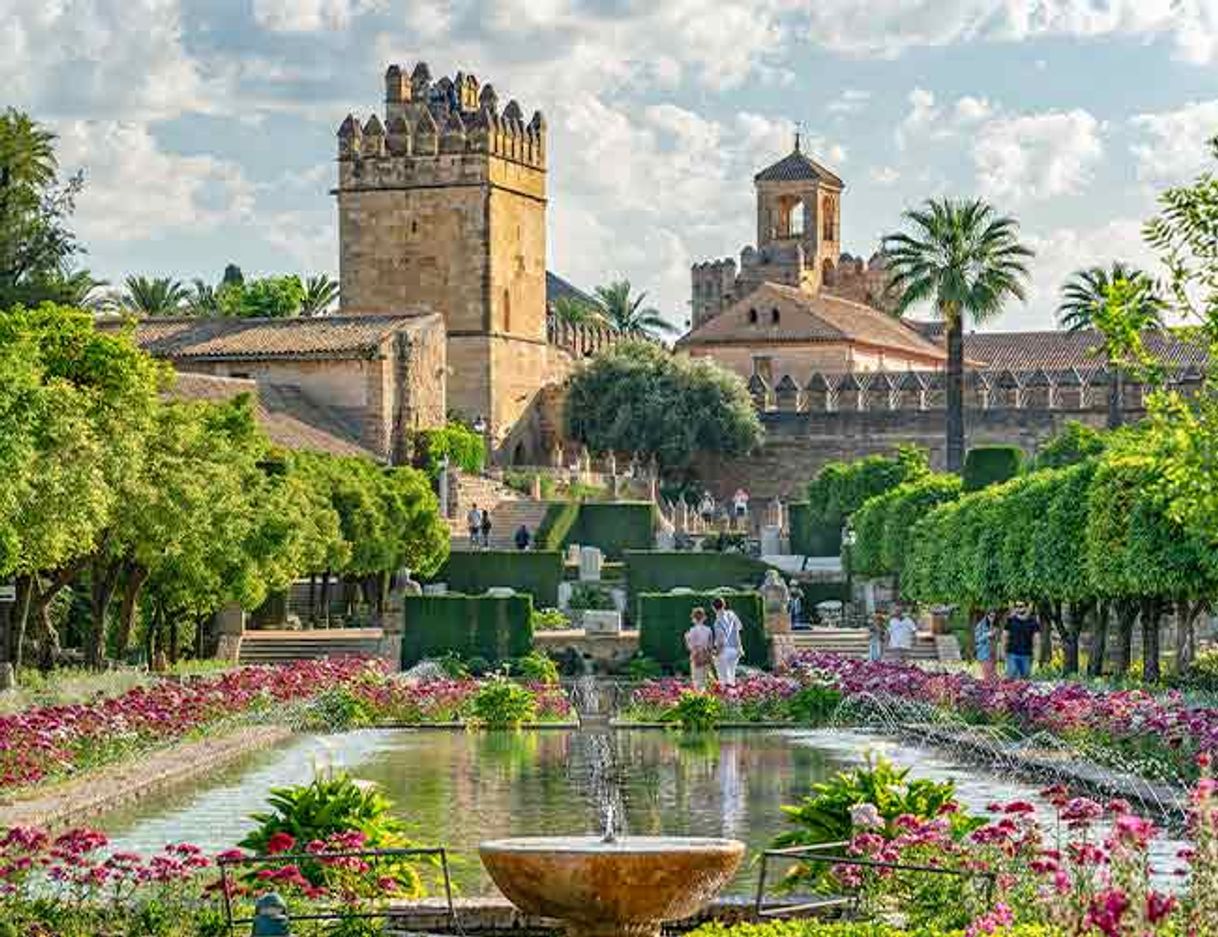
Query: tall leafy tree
{"type": "Point", "coordinates": [1120, 303]}
{"type": "Point", "coordinates": [36, 245]}
{"type": "Point", "coordinates": [153, 296]}
{"type": "Point", "coordinates": [263, 298]}
{"type": "Point", "coordinates": [626, 313]}
{"type": "Point", "coordinates": [965, 260]}
{"type": "Point", "coordinates": [320, 293]}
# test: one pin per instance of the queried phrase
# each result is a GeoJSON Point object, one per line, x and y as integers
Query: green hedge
{"type": "Point", "coordinates": [536, 572]}
{"type": "Point", "coordinates": [799, 522]}
{"type": "Point", "coordinates": [991, 465]}
{"type": "Point", "coordinates": [664, 619]}
{"type": "Point", "coordinates": [490, 627]}
{"type": "Point", "coordinates": [841, 488]}
{"type": "Point", "coordinates": [664, 570]}
{"type": "Point", "coordinates": [613, 526]}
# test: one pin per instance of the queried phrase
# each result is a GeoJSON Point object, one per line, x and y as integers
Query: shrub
{"type": "Point", "coordinates": [501, 704]}
{"type": "Point", "coordinates": [537, 572]}
{"type": "Point", "coordinates": [697, 712]}
{"type": "Point", "coordinates": [664, 570]}
{"type": "Point", "coordinates": [991, 465]}
{"type": "Point", "coordinates": [489, 627]}
{"type": "Point", "coordinates": [612, 526]}
{"type": "Point", "coordinates": [336, 710]}
{"type": "Point", "coordinates": [883, 525]}
{"type": "Point", "coordinates": [464, 448]}
{"type": "Point", "coordinates": [664, 619]}
{"type": "Point", "coordinates": [536, 666]}
{"type": "Point", "coordinates": [799, 522]}
{"type": "Point", "coordinates": [841, 488]}
{"type": "Point", "coordinates": [590, 596]}
{"type": "Point", "coordinates": [642, 667]}
{"type": "Point", "coordinates": [814, 705]}
{"type": "Point", "coordinates": [549, 619]}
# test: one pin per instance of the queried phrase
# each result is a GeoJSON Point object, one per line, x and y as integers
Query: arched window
{"type": "Point", "coordinates": [795, 219]}
{"type": "Point", "coordinates": [752, 316]}
{"type": "Point", "coordinates": [775, 315]}
{"type": "Point", "coordinates": [827, 272]}
{"type": "Point", "coordinates": [829, 225]}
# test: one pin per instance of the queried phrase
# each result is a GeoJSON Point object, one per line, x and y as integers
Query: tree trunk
{"type": "Point", "coordinates": [955, 392]}
{"type": "Point", "coordinates": [1050, 618]}
{"type": "Point", "coordinates": [324, 617]}
{"type": "Point", "coordinates": [1116, 397]}
{"type": "Point", "coordinates": [1099, 640]}
{"type": "Point", "coordinates": [1127, 616]}
{"type": "Point", "coordinates": [1186, 632]}
{"type": "Point", "coordinates": [1152, 612]}
{"type": "Point", "coordinates": [47, 636]}
{"type": "Point", "coordinates": [1070, 629]}
{"type": "Point", "coordinates": [18, 615]}
{"type": "Point", "coordinates": [312, 599]}
{"type": "Point", "coordinates": [40, 603]}
{"type": "Point", "coordinates": [103, 582]}
{"type": "Point", "coordinates": [132, 586]}
{"type": "Point", "coordinates": [174, 637]}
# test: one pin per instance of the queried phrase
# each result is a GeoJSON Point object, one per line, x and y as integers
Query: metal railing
{"type": "Point", "coordinates": [334, 914]}
{"type": "Point", "coordinates": [815, 855]}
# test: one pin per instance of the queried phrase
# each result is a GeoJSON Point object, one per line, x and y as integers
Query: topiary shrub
{"type": "Point", "coordinates": [486, 628]}
{"type": "Point", "coordinates": [991, 465]}
{"type": "Point", "coordinates": [664, 619]}
{"type": "Point", "coordinates": [537, 572]}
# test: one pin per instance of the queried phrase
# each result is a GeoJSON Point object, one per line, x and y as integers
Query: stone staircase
{"type": "Point", "coordinates": [855, 642]}
{"type": "Point", "coordinates": [506, 518]}
{"type": "Point", "coordinates": [281, 647]}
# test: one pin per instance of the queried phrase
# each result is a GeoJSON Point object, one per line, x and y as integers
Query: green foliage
{"type": "Point", "coordinates": [265, 298]}
{"type": "Point", "coordinates": [663, 620]}
{"type": "Point", "coordinates": [611, 526]}
{"type": "Point", "coordinates": [537, 667]}
{"type": "Point", "coordinates": [636, 397]}
{"type": "Point", "coordinates": [883, 525]}
{"type": "Point", "coordinates": [590, 596]}
{"type": "Point", "coordinates": [625, 313]}
{"type": "Point", "coordinates": [824, 816]}
{"type": "Point", "coordinates": [813, 927]}
{"type": "Point", "coordinates": [697, 712]}
{"type": "Point", "coordinates": [537, 572]}
{"type": "Point", "coordinates": [664, 570]}
{"type": "Point", "coordinates": [549, 619]}
{"type": "Point", "coordinates": [153, 296]}
{"type": "Point", "coordinates": [464, 448]}
{"type": "Point", "coordinates": [799, 521]}
{"type": "Point", "coordinates": [1076, 442]}
{"type": "Point", "coordinates": [489, 627]}
{"type": "Point", "coordinates": [501, 704]}
{"type": "Point", "coordinates": [555, 528]}
{"type": "Point", "coordinates": [642, 667]}
{"type": "Point", "coordinates": [991, 465]}
{"type": "Point", "coordinates": [337, 709]}
{"type": "Point", "coordinates": [841, 488]}
{"type": "Point", "coordinates": [814, 705]}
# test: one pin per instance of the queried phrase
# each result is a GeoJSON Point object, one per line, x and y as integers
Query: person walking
{"type": "Point", "coordinates": [740, 507]}
{"type": "Point", "coordinates": [729, 645]}
{"type": "Point", "coordinates": [474, 521]}
{"type": "Point", "coordinates": [485, 527]}
{"type": "Point", "coordinates": [523, 537]}
{"type": "Point", "coordinates": [707, 509]}
{"type": "Point", "coordinates": [983, 642]}
{"type": "Point", "coordinates": [700, 642]}
{"type": "Point", "coordinates": [875, 646]}
{"type": "Point", "coordinates": [1021, 628]}
{"type": "Point", "coordinates": [901, 633]}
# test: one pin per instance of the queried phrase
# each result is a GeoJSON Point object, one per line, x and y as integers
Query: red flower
{"type": "Point", "coordinates": [280, 842]}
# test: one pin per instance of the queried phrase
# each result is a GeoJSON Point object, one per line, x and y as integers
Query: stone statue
{"type": "Point", "coordinates": [775, 592]}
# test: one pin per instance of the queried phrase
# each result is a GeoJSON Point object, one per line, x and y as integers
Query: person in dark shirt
{"type": "Point", "coordinates": [522, 537]}
{"type": "Point", "coordinates": [1021, 628]}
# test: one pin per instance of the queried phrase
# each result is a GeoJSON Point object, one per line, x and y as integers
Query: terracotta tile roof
{"type": "Point", "coordinates": [286, 414]}
{"type": "Point", "coordinates": [557, 288]}
{"type": "Point", "coordinates": [349, 336]}
{"type": "Point", "coordinates": [803, 317]}
{"type": "Point", "coordinates": [795, 166]}
{"type": "Point", "coordinates": [1053, 350]}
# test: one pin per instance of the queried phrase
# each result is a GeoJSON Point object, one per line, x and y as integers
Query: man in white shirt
{"type": "Point", "coordinates": [901, 632]}
{"type": "Point", "coordinates": [474, 521]}
{"type": "Point", "coordinates": [729, 644]}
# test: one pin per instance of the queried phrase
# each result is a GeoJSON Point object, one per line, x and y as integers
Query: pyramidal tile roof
{"type": "Point", "coordinates": [795, 166]}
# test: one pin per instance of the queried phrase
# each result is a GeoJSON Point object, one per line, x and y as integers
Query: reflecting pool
{"type": "Point", "coordinates": [457, 788]}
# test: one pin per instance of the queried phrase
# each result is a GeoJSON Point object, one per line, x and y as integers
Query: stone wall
{"type": "Point", "coordinates": [340, 382]}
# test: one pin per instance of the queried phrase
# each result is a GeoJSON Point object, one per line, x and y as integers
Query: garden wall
{"type": "Point", "coordinates": [537, 572]}
{"type": "Point", "coordinates": [664, 619]}
{"type": "Point", "coordinates": [491, 627]}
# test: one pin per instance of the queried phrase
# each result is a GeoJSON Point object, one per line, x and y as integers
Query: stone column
{"type": "Point", "coordinates": [230, 623]}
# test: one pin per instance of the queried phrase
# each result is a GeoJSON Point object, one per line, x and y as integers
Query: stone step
{"type": "Point", "coordinates": [280, 647]}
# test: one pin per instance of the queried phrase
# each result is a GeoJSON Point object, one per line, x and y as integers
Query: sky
{"type": "Point", "coordinates": [205, 128]}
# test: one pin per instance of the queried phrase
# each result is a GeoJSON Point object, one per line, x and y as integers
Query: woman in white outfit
{"type": "Point", "coordinates": [728, 645]}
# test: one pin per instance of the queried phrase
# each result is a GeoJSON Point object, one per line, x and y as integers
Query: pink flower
{"type": "Point", "coordinates": [279, 843]}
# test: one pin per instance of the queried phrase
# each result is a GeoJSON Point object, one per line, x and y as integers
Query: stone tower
{"type": "Point", "coordinates": [798, 238]}
{"type": "Point", "coordinates": [442, 207]}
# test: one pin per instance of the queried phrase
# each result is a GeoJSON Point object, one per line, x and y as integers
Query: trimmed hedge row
{"type": "Point", "coordinates": [991, 465]}
{"type": "Point", "coordinates": [664, 619]}
{"type": "Point", "coordinates": [613, 526]}
{"type": "Point", "coordinates": [494, 628]}
{"type": "Point", "coordinates": [664, 570]}
{"type": "Point", "coordinates": [536, 572]}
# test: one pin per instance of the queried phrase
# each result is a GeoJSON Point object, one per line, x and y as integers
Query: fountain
{"type": "Point", "coordinates": [610, 884]}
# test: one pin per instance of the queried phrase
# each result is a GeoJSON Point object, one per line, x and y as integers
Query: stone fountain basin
{"type": "Point", "coordinates": [639, 880]}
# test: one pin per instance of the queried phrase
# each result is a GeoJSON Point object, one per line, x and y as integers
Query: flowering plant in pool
{"type": "Point", "coordinates": [383, 700]}
{"type": "Point", "coordinates": [758, 698]}
{"type": "Point", "coordinates": [49, 742]}
{"type": "Point", "coordinates": [1158, 735]}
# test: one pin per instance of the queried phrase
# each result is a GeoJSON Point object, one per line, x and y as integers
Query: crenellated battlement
{"type": "Point", "coordinates": [438, 133]}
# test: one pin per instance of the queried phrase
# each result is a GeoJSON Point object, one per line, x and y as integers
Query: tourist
{"type": "Point", "coordinates": [707, 509]}
{"type": "Point", "coordinates": [700, 642]}
{"type": "Point", "coordinates": [875, 647]}
{"type": "Point", "coordinates": [523, 538]}
{"type": "Point", "coordinates": [901, 632]}
{"type": "Point", "coordinates": [740, 506]}
{"type": "Point", "coordinates": [485, 527]}
{"type": "Point", "coordinates": [1022, 628]}
{"type": "Point", "coordinates": [729, 646]}
{"type": "Point", "coordinates": [983, 646]}
{"type": "Point", "coordinates": [474, 520]}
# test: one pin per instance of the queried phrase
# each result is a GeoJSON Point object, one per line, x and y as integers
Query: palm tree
{"type": "Point", "coordinates": [27, 151]}
{"type": "Point", "coordinates": [153, 296]}
{"type": "Point", "coordinates": [966, 260]}
{"type": "Point", "coordinates": [628, 315]}
{"type": "Point", "coordinates": [1096, 298]}
{"type": "Point", "coordinates": [320, 292]}
{"type": "Point", "coordinates": [81, 290]}
{"type": "Point", "coordinates": [575, 311]}
{"type": "Point", "coordinates": [202, 299]}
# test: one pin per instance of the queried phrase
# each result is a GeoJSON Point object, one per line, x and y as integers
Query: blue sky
{"type": "Point", "coordinates": [206, 127]}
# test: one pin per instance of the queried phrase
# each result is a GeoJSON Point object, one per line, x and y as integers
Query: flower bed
{"type": "Point", "coordinates": [759, 698]}
{"type": "Point", "coordinates": [51, 742]}
{"type": "Point", "coordinates": [1161, 734]}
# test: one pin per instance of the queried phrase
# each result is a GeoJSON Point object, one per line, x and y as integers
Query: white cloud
{"type": "Point", "coordinates": [136, 190]}
{"type": "Point", "coordinates": [850, 101]}
{"type": "Point", "coordinates": [1175, 145]}
{"type": "Point", "coordinates": [884, 175]}
{"type": "Point", "coordinates": [1037, 156]}
{"type": "Point", "coordinates": [970, 110]}
{"type": "Point", "coordinates": [307, 16]}
{"type": "Point", "coordinates": [99, 58]}
{"type": "Point", "coordinates": [889, 27]}
{"type": "Point", "coordinates": [930, 119]}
